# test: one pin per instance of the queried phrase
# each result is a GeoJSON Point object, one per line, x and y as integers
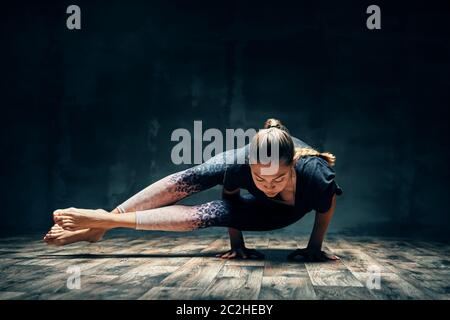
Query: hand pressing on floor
{"type": "Point", "coordinates": [238, 249]}
{"type": "Point", "coordinates": [311, 255]}
{"type": "Point", "coordinates": [241, 253]}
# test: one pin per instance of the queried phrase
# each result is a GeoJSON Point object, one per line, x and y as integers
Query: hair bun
{"type": "Point", "coordinates": [272, 123]}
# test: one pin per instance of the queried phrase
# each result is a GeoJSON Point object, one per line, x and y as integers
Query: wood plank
{"type": "Point", "coordinates": [197, 273]}
{"type": "Point", "coordinates": [236, 282]}
{"type": "Point", "coordinates": [285, 287]}
{"type": "Point", "coordinates": [343, 293]}
{"type": "Point", "coordinates": [11, 295]}
{"type": "Point", "coordinates": [392, 287]}
{"type": "Point", "coordinates": [342, 278]}
{"type": "Point", "coordinates": [357, 261]}
{"type": "Point", "coordinates": [172, 293]}
{"type": "Point", "coordinates": [275, 268]}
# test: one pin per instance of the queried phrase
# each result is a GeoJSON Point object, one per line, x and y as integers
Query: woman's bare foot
{"type": "Point", "coordinates": [73, 219]}
{"type": "Point", "coordinates": [58, 236]}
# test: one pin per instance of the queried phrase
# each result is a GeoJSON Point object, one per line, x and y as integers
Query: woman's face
{"type": "Point", "coordinates": [271, 184]}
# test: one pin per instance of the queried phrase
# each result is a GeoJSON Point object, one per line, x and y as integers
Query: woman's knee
{"type": "Point", "coordinates": [216, 213]}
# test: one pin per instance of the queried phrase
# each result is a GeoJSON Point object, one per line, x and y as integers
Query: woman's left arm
{"type": "Point", "coordinates": [313, 252]}
{"type": "Point", "coordinates": [321, 223]}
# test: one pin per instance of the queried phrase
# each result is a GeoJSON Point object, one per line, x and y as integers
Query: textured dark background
{"type": "Point", "coordinates": [86, 116]}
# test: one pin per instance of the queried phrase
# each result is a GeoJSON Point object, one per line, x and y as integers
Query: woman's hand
{"type": "Point", "coordinates": [238, 249]}
{"type": "Point", "coordinates": [311, 255]}
{"type": "Point", "coordinates": [241, 253]}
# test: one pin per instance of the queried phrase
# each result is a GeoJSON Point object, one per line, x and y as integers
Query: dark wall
{"type": "Point", "coordinates": [87, 115]}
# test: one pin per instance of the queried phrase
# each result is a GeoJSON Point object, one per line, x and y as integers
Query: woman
{"type": "Point", "coordinates": [303, 181]}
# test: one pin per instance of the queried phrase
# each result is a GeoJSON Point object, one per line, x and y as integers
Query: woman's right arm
{"type": "Point", "coordinates": [238, 248]}
{"type": "Point", "coordinates": [236, 237]}
{"type": "Point", "coordinates": [237, 243]}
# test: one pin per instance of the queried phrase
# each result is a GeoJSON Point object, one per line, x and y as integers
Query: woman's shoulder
{"type": "Point", "coordinates": [312, 164]}
{"type": "Point", "coordinates": [315, 171]}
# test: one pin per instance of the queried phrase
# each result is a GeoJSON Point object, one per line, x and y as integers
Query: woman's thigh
{"type": "Point", "coordinates": [246, 213]}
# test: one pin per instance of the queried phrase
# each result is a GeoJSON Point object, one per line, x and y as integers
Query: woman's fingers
{"type": "Point", "coordinates": [241, 253]}
{"type": "Point", "coordinates": [227, 255]}
{"type": "Point", "coordinates": [323, 257]}
{"type": "Point", "coordinates": [333, 257]}
{"type": "Point", "coordinates": [312, 256]}
{"type": "Point", "coordinates": [224, 255]}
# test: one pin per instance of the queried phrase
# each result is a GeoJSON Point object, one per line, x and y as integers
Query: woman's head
{"type": "Point", "coordinates": [273, 155]}
{"type": "Point", "coordinates": [271, 158]}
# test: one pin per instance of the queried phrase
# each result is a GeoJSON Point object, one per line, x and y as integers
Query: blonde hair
{"type": "Point", "coordinates": [274, 130]}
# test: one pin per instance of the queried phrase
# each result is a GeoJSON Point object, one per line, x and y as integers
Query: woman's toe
{"type": "Point", "coordinates": [58, 213]}
{"type": "Point", "coordinates": [48, 236]}
{"type": "Point", "coordinates": [69, 226]}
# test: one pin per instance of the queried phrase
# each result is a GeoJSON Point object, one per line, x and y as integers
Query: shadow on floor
{"type": "Point", "coordinates": [273, 255]}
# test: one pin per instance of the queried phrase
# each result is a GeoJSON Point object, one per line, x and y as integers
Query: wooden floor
{"type": "Point", "coordinates": [183, 266]}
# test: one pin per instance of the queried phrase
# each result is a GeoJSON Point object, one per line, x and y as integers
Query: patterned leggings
{"type": "Point", "coordinates": [242, 212]}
